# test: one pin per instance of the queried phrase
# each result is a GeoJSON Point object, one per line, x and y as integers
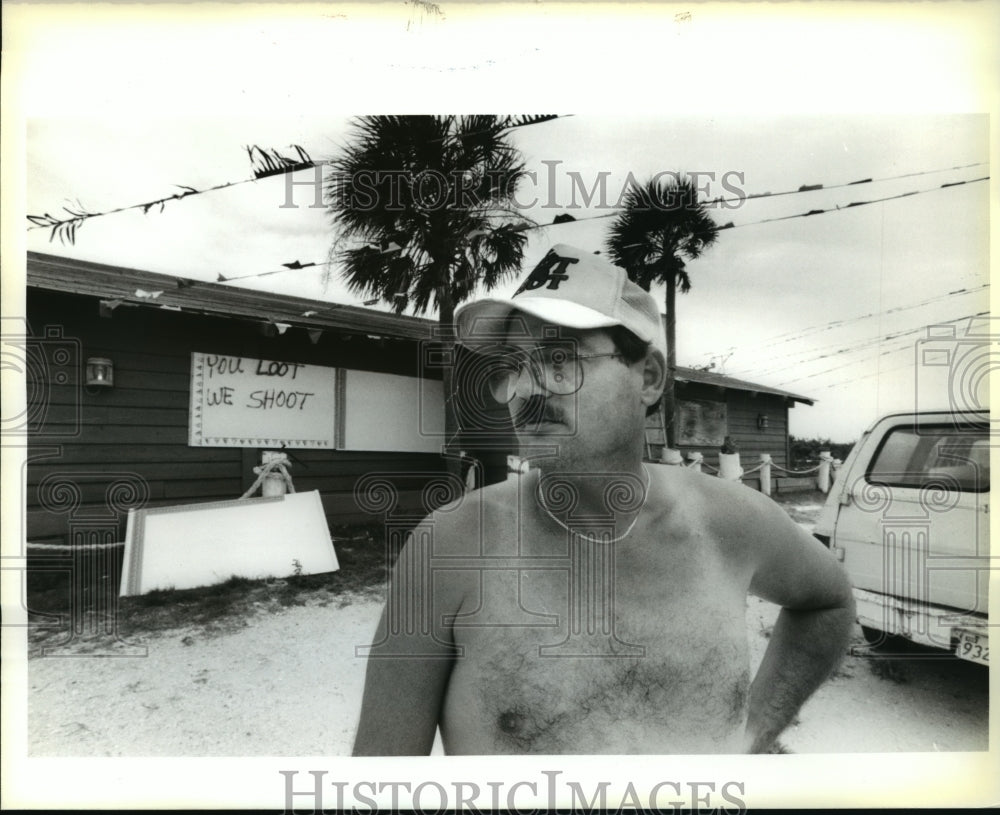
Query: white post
{"type": "Point", "coordinates": [729, 466]}
{"type": "Point", "coordinates": [470, 474]}
{"type": "Point", "coordinates": [695, 460]}
{"type": "Point", "coordinates": [516, 466]}
{"type": "Point", "coordinates": [823, 479]}
{"type": "Point", "coordinates": [765, 473]}
{"type": "Point", "coordinates": [671, 456]}
{"type": "Point", "coordinates": [273, 486]}
{"type": "Point", "coordinates": [274, 482]}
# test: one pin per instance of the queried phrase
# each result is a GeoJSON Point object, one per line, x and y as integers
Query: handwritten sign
{"type": "Point", "coordinates": [244, 402]}
{"type": "Point", "coordinates": [702, 422]}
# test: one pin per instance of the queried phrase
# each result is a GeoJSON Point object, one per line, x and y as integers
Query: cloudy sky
{"type": "Point", "coordinates": [832, 306]}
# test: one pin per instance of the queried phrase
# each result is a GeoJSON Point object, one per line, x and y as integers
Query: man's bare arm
{"type": "Point", "coordinates": [812, 631]}
{"type": "Point", "coordinates": [805, 647]}
{"type": "Point", "coordinates": [410, 661]}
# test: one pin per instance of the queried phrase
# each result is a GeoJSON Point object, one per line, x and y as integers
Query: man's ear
{"type": "Point", "coordinates": [654, 376]}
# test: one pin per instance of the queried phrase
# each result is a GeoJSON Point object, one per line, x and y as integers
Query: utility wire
{"type": "Point", "coordinates": [804, 188]}
{"type": "Point", "coordinates": [877, 341]}
{"type": "Point", "coordinates": [800, 190]}
{"type": "Point", "coordinates": [898, 345]}
{"type": "Point", "coordinates": [854, 348]}
{"type": "Point", "coordinates": [808, 353]}
{"type": "Point", "coordinates": [751, 223]}
{"type": "Point", "coordinates": [530, 227]}
{"type": "Point", "coordinates": [838, 208]}
{"type": "Point", "coordinates": [793, 336]}
{"type": "Point", "coordinates": [270, 163]}
{"type": "Point", "coordinates": [853, 379]}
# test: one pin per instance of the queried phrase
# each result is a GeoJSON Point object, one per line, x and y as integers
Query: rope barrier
{"type": "Point", "coordinates": [795, 472]}
{"type": "Point", "coordinates": [264, 471]}
{"type": "Point", "coordinates": [73, 547]}
{"type": "Point", "coordinates": [706, 466]}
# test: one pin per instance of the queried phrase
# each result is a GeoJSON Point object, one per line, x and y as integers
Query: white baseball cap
{"type": "Point", "coordinates": [569, 288]}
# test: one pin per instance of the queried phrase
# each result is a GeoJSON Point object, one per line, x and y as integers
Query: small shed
{"type": "Point", "coordinates": [712, 406]}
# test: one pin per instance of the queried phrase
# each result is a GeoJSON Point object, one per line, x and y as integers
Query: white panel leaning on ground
{"type": "Point", "coordinates": [594, 604]}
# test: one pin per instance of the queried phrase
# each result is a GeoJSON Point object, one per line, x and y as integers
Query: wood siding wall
{"type": "Point", "coordinates": [96, 452]}
{"type": "Point", "coordinates": [742, 410]}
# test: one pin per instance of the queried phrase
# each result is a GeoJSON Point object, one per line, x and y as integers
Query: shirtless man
{"type": "Point", "coordinates": [596, 604]}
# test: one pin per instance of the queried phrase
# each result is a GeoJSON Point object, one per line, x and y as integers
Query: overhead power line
{"type": "Point", "coordinates": [810, 213]}
{"type": "Point", "coordinates": [793, 336]}
{"type": "Point", "coordinates": [838, 208]}
{"type": "Point", "coordinates": [869, 343]}
{"type": "Point", "coordinates": [808, 353]}
{"type": "Point", "coordinates": [853, 379]}
{"type": "Point", "coordinates": [873, 341]}
{"type": "Point", "coordinates": [529, 227]}
{"type": "Point", "coordinates": [898, 345]}
{"type": "Point", "coordinates": [804, 188]}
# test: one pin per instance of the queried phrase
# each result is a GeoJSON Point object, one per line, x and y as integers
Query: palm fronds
{"type": "Point", "coordinates": [661, 224]}
{"type": "Point", "coordinates": [438, 187]}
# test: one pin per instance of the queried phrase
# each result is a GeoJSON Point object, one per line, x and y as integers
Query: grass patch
{"type": "Point", "coordinates": [802, 507]}
{"type": "Point", "coordinates": [795, 499]}
{"type": "Point", "coordinates": [362, 552]}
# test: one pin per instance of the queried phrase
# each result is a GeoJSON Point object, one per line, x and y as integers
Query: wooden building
{"type": "Point", "coordinates": [370, 406]}
{"type": "Point", "coordinates": [94, 451]}
{"type": "Point", "coordinates": [712, 406]}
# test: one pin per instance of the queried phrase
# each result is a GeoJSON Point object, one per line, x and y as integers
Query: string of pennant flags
{"type": "Point", "coordinates": [270, 163]}
{"type": "Point", "coordinates": [803, 189]}
{"type": "Point", "coordinates": [263, 163]}
{"type": "Point", "coordinates": [390, 247]}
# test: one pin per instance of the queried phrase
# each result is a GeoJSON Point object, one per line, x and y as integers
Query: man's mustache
{"type": "Point", "coordinates": [535, 410]}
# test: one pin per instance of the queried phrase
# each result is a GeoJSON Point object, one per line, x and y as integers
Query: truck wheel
{"type": "Point", "coordinates": [876, 638]}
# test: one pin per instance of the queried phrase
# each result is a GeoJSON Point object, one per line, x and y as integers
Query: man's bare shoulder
{"type": "Point", "coordinates": [734, 513]}
{"type": "Point", "coordinates": [461, 526]}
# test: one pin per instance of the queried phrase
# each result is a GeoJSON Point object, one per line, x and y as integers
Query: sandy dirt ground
{"type": "Point", "coordinates": [289, 684]}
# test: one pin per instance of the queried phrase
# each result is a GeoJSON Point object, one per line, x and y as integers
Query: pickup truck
{"type": "Point", "coordinates": [908, 515]}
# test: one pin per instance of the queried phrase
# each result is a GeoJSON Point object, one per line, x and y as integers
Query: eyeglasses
{"type": "Point", "coordinates": [556, 370]}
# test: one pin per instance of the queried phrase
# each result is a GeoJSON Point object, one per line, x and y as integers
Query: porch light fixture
{"type": "Point", "coordinates": [762, 421]}
{"type": "Point", "coordinates": [100, 372]}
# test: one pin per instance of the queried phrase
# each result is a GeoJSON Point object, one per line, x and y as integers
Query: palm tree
{"type": "Point", "coordinates": [423, 211]}
{"type": "Point", "coordinates": [661, 224]}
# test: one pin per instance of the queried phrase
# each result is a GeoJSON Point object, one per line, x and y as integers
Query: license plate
{"type": "Point", "coordinates": [973, 647]}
